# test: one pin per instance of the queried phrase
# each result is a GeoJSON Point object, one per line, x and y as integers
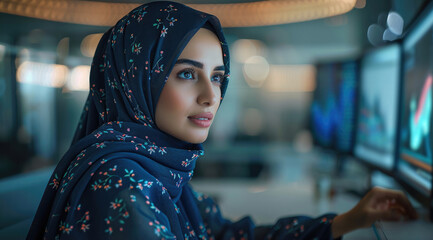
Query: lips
{"type": "Point", "coordinates": [202, 120]}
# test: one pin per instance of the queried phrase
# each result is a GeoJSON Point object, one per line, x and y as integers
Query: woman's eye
{"type": "Point", "coordinates": [219, 78]}
{"type": "Point", "coordinates": [186, 74]}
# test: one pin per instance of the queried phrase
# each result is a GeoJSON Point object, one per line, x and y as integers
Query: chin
{"type": "Point", "coordinates": [196, 139]}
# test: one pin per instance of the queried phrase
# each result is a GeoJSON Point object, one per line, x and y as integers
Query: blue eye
{"type": "Point", "coordinates": [186, 74]}
{"type": "Point", "coordinates": [219, 78]}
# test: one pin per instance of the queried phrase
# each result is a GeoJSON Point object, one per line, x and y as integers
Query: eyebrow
{"type": "Point", "coordinates": [197, 64]}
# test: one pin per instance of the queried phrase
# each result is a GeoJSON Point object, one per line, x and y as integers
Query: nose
{"type": "Point", "coordinates": [207, 93]}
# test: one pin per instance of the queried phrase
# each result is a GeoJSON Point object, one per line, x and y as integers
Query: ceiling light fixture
{"type": "Point", "coordinates": [259, 13]}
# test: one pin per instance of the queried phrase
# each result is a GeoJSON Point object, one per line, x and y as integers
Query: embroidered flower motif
{"type": "Point", "coordinates": [157, 67]}
{"type": "Point", "coordinates": [161, 230]}
{"type": "Point", "coordinates": [65, 227]}
{"type": "Point", "coordinates": [151, 149]}
{"type": "Point", "coordinates": [120, 215]}
{"type": "Point", "coordinates": [81, 155]}
{"type": "Point", "coordinates": [151, 205]}
{"type": "Point", "coordinates": [172, 20]}
{"type": "Point", "coordinates": [140, 17]}
{"type": "Point", "coordinates": [136, 48]}
{"type": "Point", "coordinates": [176, 177]}
{"type": "Point", "coordinates": [84, 227]}
{"type": "Point", "coordinates": [116, 203]}
{"type": "Point", "coordinates": [186, 162]}
{"type": "Point", "coordinates": [122, 137]}
{"type": "Point", "coordinates": [162, 150]}
{"type": "Point", "coordinates": [113, 39]}
{"type": "Point", "coordinates": [100, 145]}
{"type": "Point", "coordinates": [109, 230]}
{"type": "Point", "coordinates": [130, 175]}
{"type": "Point", "coordinates": [140, 186]}
{"type": "Point", "coordinates": [158, 23]}
{"type": "Point", "coordinates": [81, 223]}
{"type": "Point", "coordinates": [119, 183]}
{"type": "Point", "coordinates": [163, 31]}
{"type": "Point", "coordinates": [176, 208]}
{"type": "Point", "coordinates": [132, 68]}
{"type": "Point", "coordinates": [148, 183]}
{"type": "Point", "coordinates": [55, 182]}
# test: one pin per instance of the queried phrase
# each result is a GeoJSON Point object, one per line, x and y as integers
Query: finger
{"type": "Point", "coordinates": [387, 215]}
{"type": "Point", "coordinates": [395, 197]}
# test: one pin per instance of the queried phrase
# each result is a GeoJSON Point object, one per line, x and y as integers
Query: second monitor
{"type": "Point", "coordinates": [376, 136]}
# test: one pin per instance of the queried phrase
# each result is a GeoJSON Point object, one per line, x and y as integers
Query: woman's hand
{"type": "Point", "coordinates": [377, 204]}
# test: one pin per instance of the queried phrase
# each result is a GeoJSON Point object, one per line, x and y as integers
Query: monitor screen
{"type": "Point", "coordinates": [324, 106]}
{"type": "Point", "coordinates": [376, 128]}
{"type": "Point", "coordinates": [332, 109]}
{"type": "Point", "coordinates": [415, 157]}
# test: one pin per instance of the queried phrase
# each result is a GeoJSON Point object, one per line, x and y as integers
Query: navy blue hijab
{"type": "Point", "coordinates": [134, 60]}
{"type": "Point", "coordinates": [131, 65]}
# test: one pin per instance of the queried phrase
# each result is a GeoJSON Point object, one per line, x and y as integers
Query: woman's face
{"type": "Point", "coordinates": [191, 97]}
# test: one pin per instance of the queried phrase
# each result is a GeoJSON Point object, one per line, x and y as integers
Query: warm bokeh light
{"type": "Point", "coordinates": [291, 78]}
{"type": "Point", "coordinates": [79, 79]}
{"type": "Point", "coordinates": [63, 47]}
{"type": "Point", "coordinates": [44, 74]}
{"type": "Point", "coordinates": [245, 48]}
{"type": "Point", "coordinates": [89, 44]}
{"type": "Point", "coordinates": [23, 55]}
{"type": "Point", "coordinates": [255, 70]}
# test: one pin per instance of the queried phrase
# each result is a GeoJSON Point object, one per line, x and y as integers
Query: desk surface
{"type": "Point", "coordinates": [238, 199]}
{"type": "Point", "coordinates": [292, 190]}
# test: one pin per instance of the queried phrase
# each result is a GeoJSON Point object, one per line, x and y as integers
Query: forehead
{"type": "Point", "coordinates": [204, 46]}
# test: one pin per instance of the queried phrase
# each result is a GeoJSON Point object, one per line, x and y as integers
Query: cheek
{"type": "Point", "coordinates": [217, 91]}
{"type": "Point", "coordinates": [172, 99]}
{"type": "Point", "coordinates": [174, 103]}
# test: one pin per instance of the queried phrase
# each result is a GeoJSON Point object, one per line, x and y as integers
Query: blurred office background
{"type": "Point", "coordinates": [45, 66]}
{"type": "Point", "coordinates": [262, 131]}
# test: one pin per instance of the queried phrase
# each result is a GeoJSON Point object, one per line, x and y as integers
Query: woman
{"type": "Point", "coordinates": [157, 79]}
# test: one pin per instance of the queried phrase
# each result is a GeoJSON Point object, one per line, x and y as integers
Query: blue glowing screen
{"type": "Point", "coordinates": [333, 106]}
{"type": "Point", "coordinates": [415, 156]}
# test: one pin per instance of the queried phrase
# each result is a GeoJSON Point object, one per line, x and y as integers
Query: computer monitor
{"type": "Point", "coordinates": [323, 106]}
{"type": "Point", "coordinates": [416, 144]}
{"type": "Point", "coordinates": [332, 109]}
{"type": "Point", "coordinates": [376, 130]}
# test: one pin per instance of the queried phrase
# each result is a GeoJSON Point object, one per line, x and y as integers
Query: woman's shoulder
{"type": "Point", "coordinates": [118, 197]}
